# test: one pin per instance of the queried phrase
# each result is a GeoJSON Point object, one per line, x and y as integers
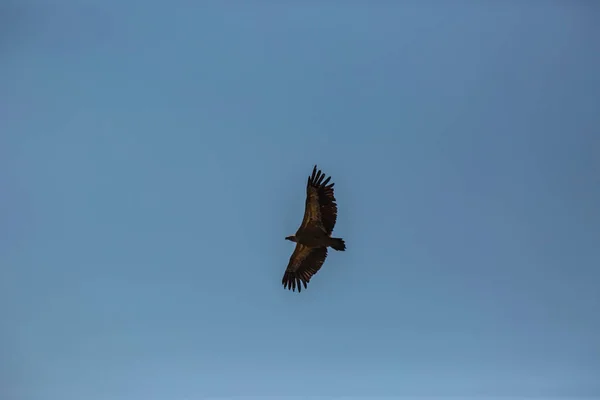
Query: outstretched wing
{"type": "Point", "coordinates": [312, 207]}
{"type": "Point", "coordinates": [304, 263]}
{"type": "Point", "coordinates": [320, 201]}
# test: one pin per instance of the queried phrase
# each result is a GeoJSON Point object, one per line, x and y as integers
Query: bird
{"type": "Point", "coordinates": [313, 237]}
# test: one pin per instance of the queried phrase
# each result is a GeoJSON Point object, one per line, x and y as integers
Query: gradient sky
{"type": "Point", "coordinates": [154, 155]}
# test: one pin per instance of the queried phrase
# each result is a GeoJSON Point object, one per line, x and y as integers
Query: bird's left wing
{"type": "Point", "coordinates": [312, 207]}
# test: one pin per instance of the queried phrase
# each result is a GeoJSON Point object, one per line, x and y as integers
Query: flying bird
{"type": "Point", "coordinates": [314, 234]}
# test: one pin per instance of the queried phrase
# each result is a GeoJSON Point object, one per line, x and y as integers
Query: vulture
{"type": "Point", "coordinates": [314, 234]}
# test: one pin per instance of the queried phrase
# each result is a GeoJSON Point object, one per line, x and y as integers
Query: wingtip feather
{"type": "Point", "coordinates": [292, 282]}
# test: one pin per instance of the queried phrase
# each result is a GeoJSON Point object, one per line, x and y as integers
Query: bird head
{"type": "Point", "coordinates": [291, 238]}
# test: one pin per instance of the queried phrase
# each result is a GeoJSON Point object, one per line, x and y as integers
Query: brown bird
{"type": "Point", "coordinates": [314, 235]}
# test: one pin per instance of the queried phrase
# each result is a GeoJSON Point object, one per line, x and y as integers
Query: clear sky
{"type": "Point", "coordinates": [154, 155]}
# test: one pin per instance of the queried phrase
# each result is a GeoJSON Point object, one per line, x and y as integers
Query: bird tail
{"type": "Point", "coordinates": [337, 244]}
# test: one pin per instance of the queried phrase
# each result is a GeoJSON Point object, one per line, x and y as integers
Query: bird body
{"type": "Point", "coordinates": [313, 237]}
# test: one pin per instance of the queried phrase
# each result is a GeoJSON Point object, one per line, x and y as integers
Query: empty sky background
{"type": "Point", "coordinates": [154, 155]}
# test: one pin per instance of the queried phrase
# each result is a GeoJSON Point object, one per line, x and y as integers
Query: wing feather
{"type": "Point", "coordinates": [304, 263]}
{"type": "Point", "coordinates": [312, 207]}
{"type": "Point", "coordinates": [321, 205]}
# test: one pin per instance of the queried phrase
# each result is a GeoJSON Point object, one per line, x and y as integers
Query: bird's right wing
{"type": "Point", "coordinates": [304, 263]}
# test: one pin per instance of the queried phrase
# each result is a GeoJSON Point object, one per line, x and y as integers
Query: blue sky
{"type": "Point", "coordinates": [153, 156]}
